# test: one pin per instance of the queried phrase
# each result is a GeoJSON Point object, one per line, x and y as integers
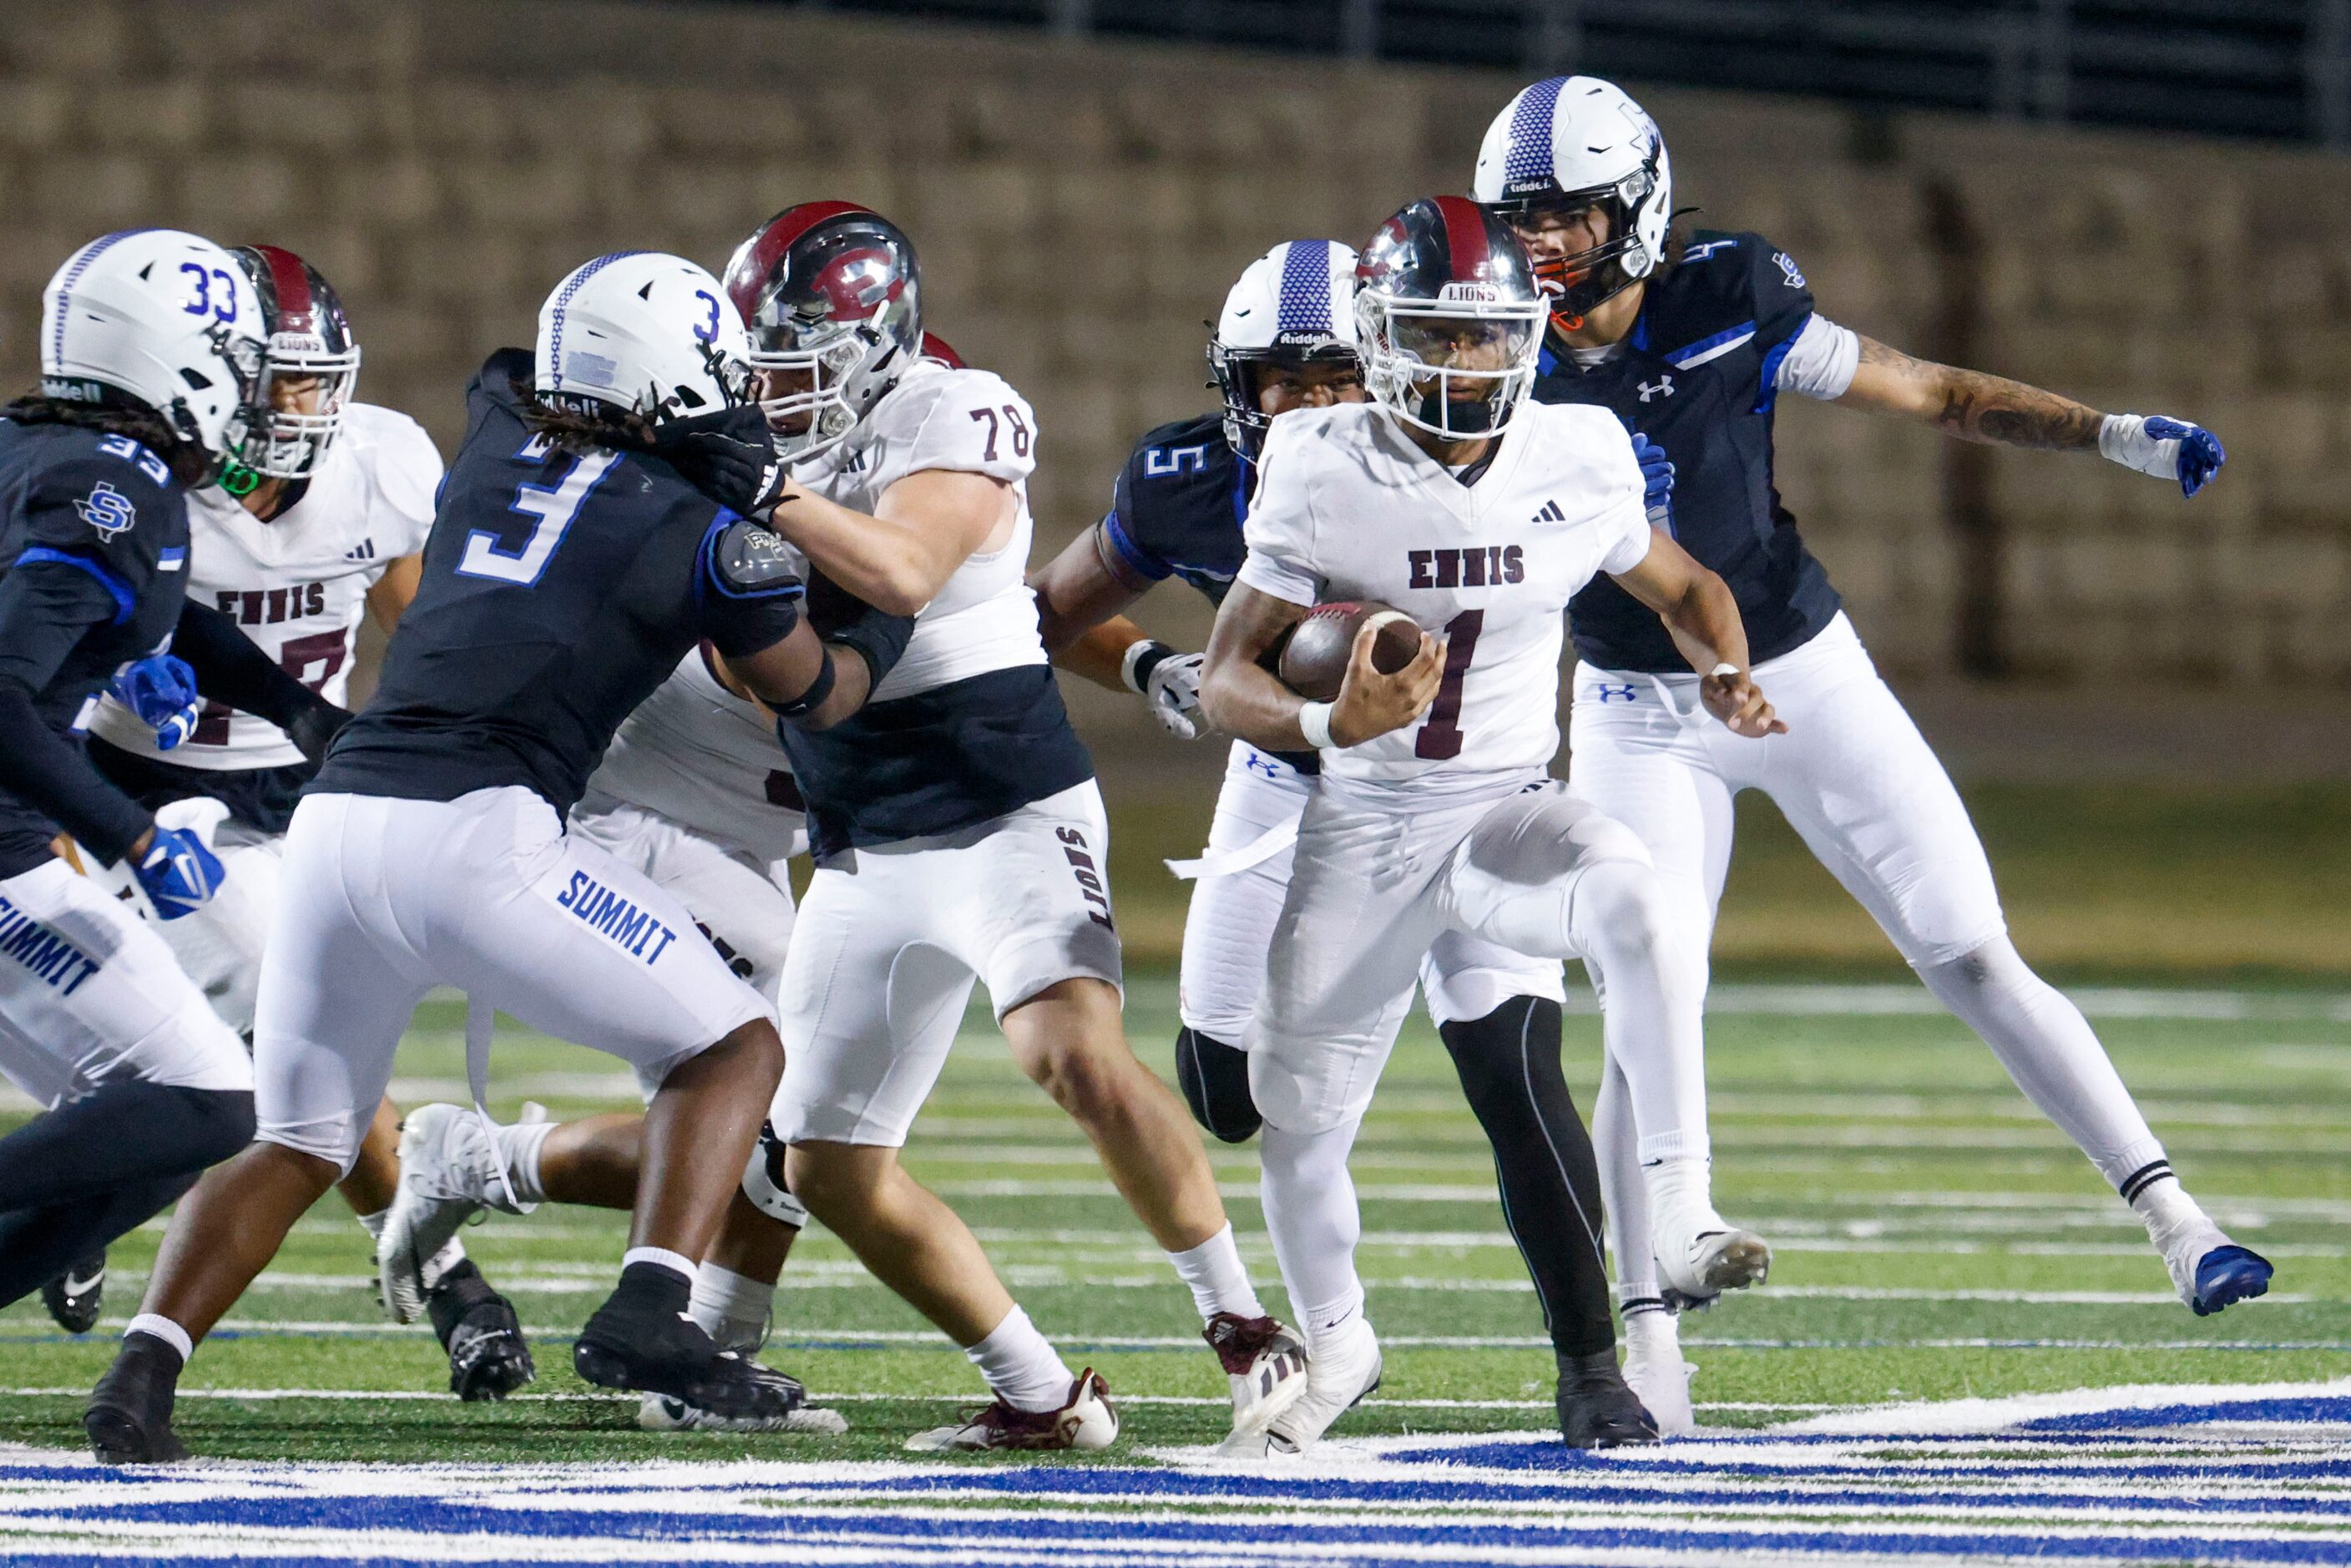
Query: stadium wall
{"type": "Point", "coordinates": [1081, 207]}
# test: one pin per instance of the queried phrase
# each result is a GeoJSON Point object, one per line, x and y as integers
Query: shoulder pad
{"type": "Point", "coordinates": [748, 560]}
{"type": "Point", "coordinates": [108, 484]}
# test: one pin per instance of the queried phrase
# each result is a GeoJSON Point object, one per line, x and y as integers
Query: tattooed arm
{"type": "Point", "coordinates": [1970, 404]}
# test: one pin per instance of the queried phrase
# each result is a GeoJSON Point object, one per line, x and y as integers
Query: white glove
{"type": "Point", "coordinates": [1169, 685]}
{"type": "Point", "coordinates": [2166, 448]}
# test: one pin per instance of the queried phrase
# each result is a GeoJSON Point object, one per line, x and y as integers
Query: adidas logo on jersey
{"type": "Point", "coordinates": [363, 551]}
{"type": "Point", "coordinates": [1550, 514]}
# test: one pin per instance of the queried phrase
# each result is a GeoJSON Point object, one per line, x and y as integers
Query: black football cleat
{"type": "Point", "coordinates": [1597, 1409]}
{"type": "Point", "coordinates": [129, 1415]}
{"type": "Point", "coordinates": [75, 1297]}
{"type": "Point", "coordinates": [640, 1339]}
{"type": "Point", "coordinates": [489, 1357]}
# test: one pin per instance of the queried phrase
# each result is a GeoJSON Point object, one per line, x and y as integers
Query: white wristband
{"type": "Point", "coordinates": [1314, 724]}
{"type": "Point", "coordinates": [1725, 668]}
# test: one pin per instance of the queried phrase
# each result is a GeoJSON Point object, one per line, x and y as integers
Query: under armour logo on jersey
{"type": "Point", "coordinates": [1662, 387]}
{"type": "Point", "coordinates": [1793, 279]}
{"type": "Point", "coordinates": [1623, 693]}
{"type": "Point", "coordinates": [107, 509]}
{"type": "Point", "coordinates": [363, 551]}
{"type": "Point", "coordinates": [1550, 514]}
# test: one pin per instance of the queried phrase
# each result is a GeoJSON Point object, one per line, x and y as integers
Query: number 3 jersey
{"type": "Point", "coordinates": [1348, 507]}
{"type": "Point", "coordinates": [297, 584]}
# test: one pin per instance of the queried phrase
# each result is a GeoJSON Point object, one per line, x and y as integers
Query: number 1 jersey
{"type": "Point", "coordinates": [1347, 508]}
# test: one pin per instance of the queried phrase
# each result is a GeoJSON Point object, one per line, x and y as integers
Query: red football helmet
{"type": "Point", "coordinates": [832, 295]}
{"type": "Point", "coordinates": [1447, 319]}
{"type": "Point", "coordinates": [309, 341]}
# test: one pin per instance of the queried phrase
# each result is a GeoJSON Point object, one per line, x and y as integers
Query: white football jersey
{"type": "Point", "coordinates": [1349, 509]}
{"type": "Point", "coordinates": [298, 585]}
{"type": "Point", "coordinates": [698, 755]}
{"type": "Point", "coordinates": [983, 617]}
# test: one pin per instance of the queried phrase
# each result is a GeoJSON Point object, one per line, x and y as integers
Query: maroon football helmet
{"type": "Point", "coordinates": [832, 295]}
{"type": "Point", "coordinates": [309, 341]}
{"type": "Point", "coordinates": [1448, 318]}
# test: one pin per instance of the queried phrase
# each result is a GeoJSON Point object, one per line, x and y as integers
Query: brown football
{"type": "Point", "coordinates": [1314, 662]}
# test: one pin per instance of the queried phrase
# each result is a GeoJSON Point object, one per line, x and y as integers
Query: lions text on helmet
{"type": "Point", "coordinates": [1449, 319]}
{"type": "Point", "coordinates": [161, 323]}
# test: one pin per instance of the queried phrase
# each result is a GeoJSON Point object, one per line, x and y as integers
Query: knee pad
{"type": "Point", "coordinates": [763, 1181]}
{"type": "Point", "coordinates": [1214, 1077]}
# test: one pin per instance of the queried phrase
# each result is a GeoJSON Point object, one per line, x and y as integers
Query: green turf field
{"type": "Point", "coordinates": [1935, 1239]}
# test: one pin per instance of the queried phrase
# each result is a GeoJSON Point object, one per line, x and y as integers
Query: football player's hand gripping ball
{"type": "Point", "coordinates": [1371, 703]}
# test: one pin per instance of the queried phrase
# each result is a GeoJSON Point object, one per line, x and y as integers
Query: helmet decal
{"type": "Point", "coordinates": [562, 303]}
{"type": "Point", "coordinates": [1304, 297]}
{"type": "Point", "coordinates": [74, 270]}
{"type": "Point", "coordinates": [1527, 164]}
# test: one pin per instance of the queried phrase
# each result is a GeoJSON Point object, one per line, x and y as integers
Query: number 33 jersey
{"type": "Point", "coordinates": [298, 583]}
{"type": "Point", "coordinates": [1349, 509]}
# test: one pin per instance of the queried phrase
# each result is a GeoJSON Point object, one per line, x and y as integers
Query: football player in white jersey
{"type": "Point", "coordinates": [1478, 515]}
{"type": "Point", "coordinates": [959, 836]}
{"type": "Point", "coordinates": [1690, 337]}
{"type": "Point", "coordinates": [320, 523]}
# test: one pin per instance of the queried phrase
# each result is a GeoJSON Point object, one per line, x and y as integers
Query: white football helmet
{"type": "Point", "coordinates": [1294, 303]}
{"type": "Point", "coordinates": [643, 331]}
{"type": "Point", "coordinates": [163, 320]}
{"type": "Point", "coordinates": [1568, 143]}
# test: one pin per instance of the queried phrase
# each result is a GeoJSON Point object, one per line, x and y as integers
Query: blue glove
{"type": "Point", "coordinates": [2201, 453]}
{"type": "Point", "coordinates": [162, 690]}
{"type": "Point", "coordinates": [1656, 481]}
{"type": "Point", "coordinates": [2167, 448]}
{"type": "Point", "coordinates": [179, 873]}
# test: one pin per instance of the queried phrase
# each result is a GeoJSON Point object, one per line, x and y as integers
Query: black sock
{"type": "Point", "coordinates": [1214, 1077]}
{"type": "Point", "coordinates": [1509, 1063]}
{"type": "Point", "coordinates": [36, 1244]}
{"type": "Point", "coordinates": [120, 1134]}
{"type": "Point", "coordinates": [654, 1287]}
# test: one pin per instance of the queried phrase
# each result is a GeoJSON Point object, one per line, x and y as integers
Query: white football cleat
{"type": "Point", "coordinates": [1088, 1421]}
{"type": "Point", "coordinates": [1265, 1363]}
{"type": "Point", "coordinates": [1710, 1256]}
{"type": "Point", "coordinates": [448, 1174]}
{"type": "Point", "coordinates": [1656, 1370]}
{"type": "Point", "coordinates": [666, 1413]}
{"type": "Point", "coordinates": [1340, 1374]}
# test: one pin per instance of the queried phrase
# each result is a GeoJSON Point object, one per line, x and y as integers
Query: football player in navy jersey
{"type": "Point", "coordinates": [1286, 340]}
{"type": "Point", "coordinates": [1691, 340]}
{"type": "Point", "coordinates": [569, 569]}
{"type": "Point", "coordinates": [150, 361]}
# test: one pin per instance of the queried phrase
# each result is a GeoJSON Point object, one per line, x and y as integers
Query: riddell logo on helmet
{"type": "Point", "coordinates": [1477, 293]}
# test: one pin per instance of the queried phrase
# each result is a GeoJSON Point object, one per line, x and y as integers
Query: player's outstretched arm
{"type": "Point", "coordinates": [1244, 698]}
{"type": "Point", "coordinates": [232, 668]}
{"type": "Point", "coordinates": [1081, 594]}
{"type": "Point", "coordinates": [1702, 616]}
{"type": "Point", "coordinates": [924, 526]}
{"type": "Point", "coordinates": [1998, 412]}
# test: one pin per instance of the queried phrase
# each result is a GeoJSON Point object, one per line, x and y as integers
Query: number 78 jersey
{"type": "Point", "coordinates": [1348, 508]}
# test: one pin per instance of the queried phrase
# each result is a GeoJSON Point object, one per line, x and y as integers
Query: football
{"type": "Point", "coordinates": [1314, 662]}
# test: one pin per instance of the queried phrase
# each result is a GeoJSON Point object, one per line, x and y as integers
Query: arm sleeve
{"type": "Point", "coordinates": [1819, 361]}
{"type": "Point", "coordinates": [45, 608]}
{"type": "Point", "coordinates": [1280, 531]}
{"type": "Point", "coordinates": [1127, 532]}
{"type": "Point", "coordinates": [839, 616]}
{"type": "Point", "coordinates": [748, 587]}
{"type": "Point", "coordinates": [230, 667]}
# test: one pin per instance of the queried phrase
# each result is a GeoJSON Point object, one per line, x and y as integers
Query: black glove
{"type": "Point", "coordinates": [315, 728]}
{"type": "Point", "coordinates": [730, 456]}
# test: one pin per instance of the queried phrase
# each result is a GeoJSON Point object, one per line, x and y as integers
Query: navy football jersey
{"type": "Point", "coordinates": [94, 546]}
{"type": "Point", "coordinates": [1694, 377]}
{"type": "Point", "coordinates": [1176, 511]}
{"type": "Point", "coordinates": [559, 588]}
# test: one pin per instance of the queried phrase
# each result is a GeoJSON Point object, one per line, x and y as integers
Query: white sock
{"type": "Point", "coordinates": [1652, 971]}
{"type": "Point", "coordinates": [165, 1329]}
{"type": "Point", "coordinates": [2052, 1053]}
{"type": "Point", "coordinates": [1023, 1368]}
{"type": "Point", "coordinates": [2169, 1214]}
{"type": "Point", "coordinates": [518, 1145]}
{"type": "Point", "coordinates": [1624, 1192]}
{"type": "Point", "coordinates": [732, 1308]}
{"type": "Point", "coordinates": [1311, 1213]}
{"type": "Point", "coordinates": [676, 1262]}
{"type": "Point", "coordinates": [1219, 1280]}
{"type": "Point", "coordinates": [374, 1223]}
{"type": "Point", "coordinates": [1681, 1197]}
{"type": "Point", "coordinates": [1651, 1331]}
